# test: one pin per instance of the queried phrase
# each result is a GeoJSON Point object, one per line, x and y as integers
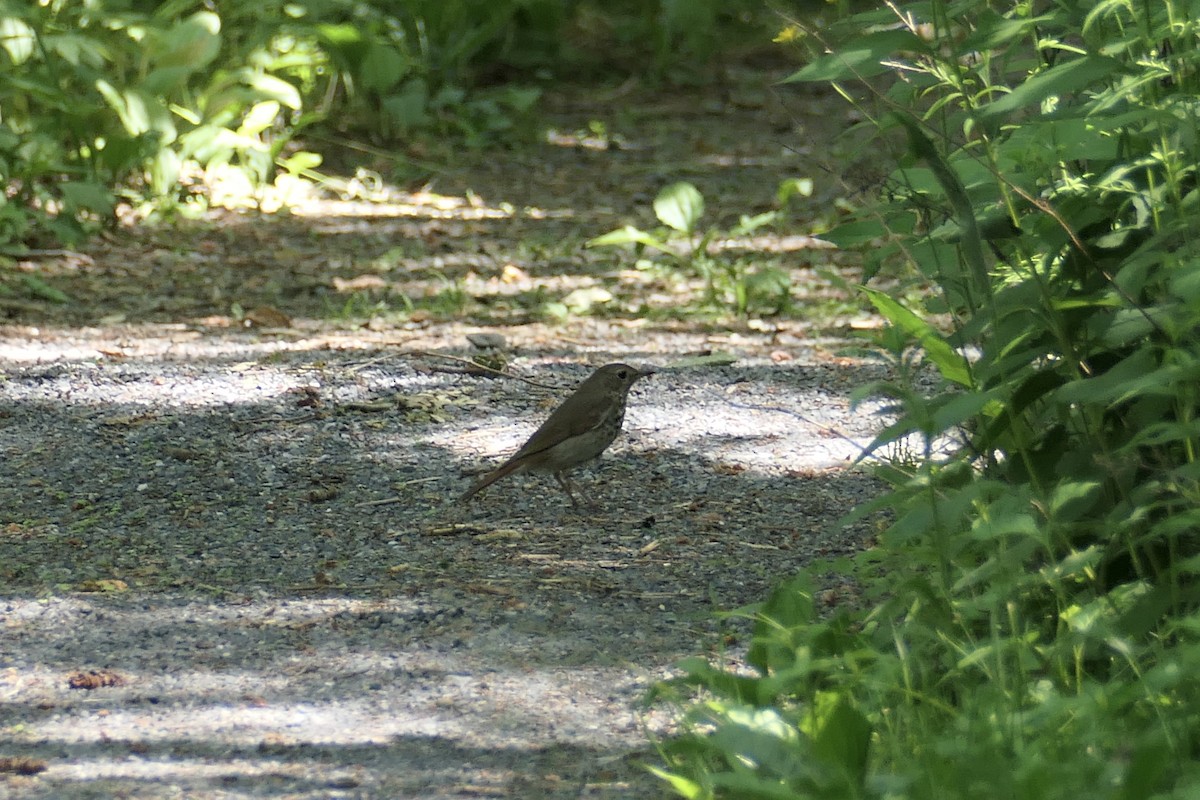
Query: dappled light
{"type": "Point", "coordinates": [563, 400]}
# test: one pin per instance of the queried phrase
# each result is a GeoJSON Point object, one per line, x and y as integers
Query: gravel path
{"type": "Point", "coordinates": [250, 534]}
{"type": "Point", "coordinates": [241, 538]}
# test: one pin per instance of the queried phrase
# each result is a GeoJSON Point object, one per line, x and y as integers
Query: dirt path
{"type": "Point", "coordinates": [248, 527]}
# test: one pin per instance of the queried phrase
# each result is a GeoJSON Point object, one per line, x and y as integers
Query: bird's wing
{"type": "Point", "coordinates": [577, 415]}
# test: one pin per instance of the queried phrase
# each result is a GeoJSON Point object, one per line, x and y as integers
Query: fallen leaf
{"type": "Point", "coordinates": [103, 585]}
{"type": "Point", "coordinates": [266, 317]}
{"type": "Point", "coordinates": [22, 766]}
{"type": "Point", "coordinates": [94, 679]}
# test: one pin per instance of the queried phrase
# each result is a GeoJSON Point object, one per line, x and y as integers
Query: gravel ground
{"type": "Point", "coordinates": [253, 535]}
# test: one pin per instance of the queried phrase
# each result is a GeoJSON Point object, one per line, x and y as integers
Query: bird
{"type": "Point", "coordinates": [577, 431]}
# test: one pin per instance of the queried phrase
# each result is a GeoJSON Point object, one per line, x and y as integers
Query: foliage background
{"type": "Point", "coordinates": [120, 102]}
{"type": "Point", "coordinates": [1028, 620]}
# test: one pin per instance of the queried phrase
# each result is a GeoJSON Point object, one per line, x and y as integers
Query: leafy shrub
{"type": "Point", "coordinates": [1030, 617]}
{"type": "Point", "coordinates": [740, 285]}
{"type": "Point", "coordinates": [120, 100]}
{"type": "Point", "coordinates": [105, 100]}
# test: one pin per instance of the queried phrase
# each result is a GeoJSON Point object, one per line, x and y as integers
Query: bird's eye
{"type": "Point", "coordinates": [622, 374]}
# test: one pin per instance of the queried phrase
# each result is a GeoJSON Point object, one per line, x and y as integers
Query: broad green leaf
{"type": "Point", "coordinates": [341, 35]}
{"type": "Point", "coordinates": [1072, 499]}
{"type": "Point", "coordinates": [17, 39]}
{"type": "Point", "coordinates": [862, 58]}
{"type": "Point", "coordinates": [750, 224]}
{"type": "Point", "coordinates": [260, 117]}
{"type": "Point", "coordinates": [1076, 563]}
{"type": "Point", "coordinates": [1062, 79]}
{"type": "Point", "coordinates": [793, 187]}
{"type": "Point", "coordinates": [679, 206]}
{"type": "Point", "coordinates": [969, 238]}
{"type": "Point", "coordinates": [301, 161]}
{"type": "Point", "coordinates": [164, 172]}
{"type": "Point", "coordinates": [1136, 375]}
{"type": "Point", "coordinates": [950, 363]}
{"type": "Point", "coordinates": [629, 235]}
{"type": "Point", "coordinates": [167, 80]}
{"type": "Point", "coordinates": [39, 288]}
{"type": "Point", "coordinates": [719, 358]}
{"type": "Point", "coordinates": [753, 786]}
{"type": "Point", "coordinates": [269, 87]}
{"type": "Point", "coordinates": [1161, 433]}
{"type": "Point", "coordinates": [841, 736]}
{"type": "Point", "coordinates": [992, 32]}
{"type": "Point", "coordinates": [1129, 325]}
{"type": "Point", "coordinates": [410, 106]}
{"type": "Point", "coordinates": [961, 408]}
{"type": "Point", "coordinates": [382, 68]}
{"type": "Point", "coordinates": [86, 195]}
{"type": "Point", "coordinates": [77, 49]}
{"type": "Point", "coordinates": [193, 42]}
{"type": "Point", "coordinates": [1186, 286]}
{"type": "Point", "coordinates": [521, 98]}
{"type": "Point", "coordinates": [855, 233]}
{"type": "Point", "coordinates": [130, 106]}
{"type": "Point", "coordinates": [682, 786]}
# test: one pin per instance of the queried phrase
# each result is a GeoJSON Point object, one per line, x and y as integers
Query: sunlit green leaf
{"type": "Point", "coordinates": [863, 58]}
{"type": "Point", "coordinates": [679, 206]}
{"type": "Point", "coordinates": [17, 39]}
{"type": "Point", "coordinates": [629, 235]}
{"type": "Point", "coordinates": [1061, 79]}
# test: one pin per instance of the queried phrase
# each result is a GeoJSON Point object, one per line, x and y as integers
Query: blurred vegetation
{"type": "Point", "coordinates": [131, 102]}
{"type": "Point", "coordinates": [1026, 626]}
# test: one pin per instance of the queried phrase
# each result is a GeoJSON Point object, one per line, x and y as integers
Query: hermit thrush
{"type": "Point", "coordinates": [579, 430]}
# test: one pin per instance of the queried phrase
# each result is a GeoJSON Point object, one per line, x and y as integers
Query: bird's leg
{"type": "Point", "coordinates": [570, 488]}
{"type": "Point", "coordinates": [565, 483]}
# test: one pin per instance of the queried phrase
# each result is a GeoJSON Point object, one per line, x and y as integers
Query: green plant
{"type": "Point", "coordinates": [106, 102]}
{"type": "Point", "coordinates": [1029, 616]}
{"type": "Point", "coordinates": [744, 284]}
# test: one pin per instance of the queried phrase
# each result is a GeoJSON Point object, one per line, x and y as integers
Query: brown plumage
{"type": "Point", "coordinates": [579, 430]}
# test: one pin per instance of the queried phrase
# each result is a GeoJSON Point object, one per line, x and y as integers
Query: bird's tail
{"type": "Point", "coordinates": [506, 468]}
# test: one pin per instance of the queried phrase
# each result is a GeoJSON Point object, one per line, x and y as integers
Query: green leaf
{"type": "Point", "coordinates": [138, 111]}
{"type": "Point", "coordinates": [192, 43]}
{"type": "Point", "coordinates": [993, 32]}
{"type": "Point", "coordinates": [382, 68]}
{"type": "Point", "coordinates": [301, 161]}
{"type": "Point", "coordinates": [260, 117]}
{"type": "Point", "coordinates": [964, 213]}
{"type": "Point", "coordinates": [40, 288]}
{"type": "Point", "coordinates": [164, 171]}
{"type": "Point", "coordinates": [748, 225]}
{"type": "Point", "coordinates": [269, 87]}
{"type": "Point", "coordinates": [165, 80]}
{"type": "Point", "coordinates": [409, 108]}
{"type": "Point", "coordinates": [855, 233]}
{"type": "Point", "coordinates": [679, 206]}
{"type": "Point", "coordinates": [951, 364]}
{"type": "Point", "coordinates": [718, 358]}
{"type": "Point", "coordinates": [1062, 79]}
{"type": "Point", "coordinates": [793, 187]}
{"type": "Point", "coordinates": [681, 785]}
{"type": "Point", "coordinates": [1073, 499]}
{"type": "Point", "coordinates": [88, 196]}
{"type": "Point", "coordinates": [17, 39]}
{"type": "Point", "coordinates": [959, 408]}
{"type": "Point", "coordinates": [629, 235]}
{"type": "Point", "coordinates": [1137, 374]}
{"type": "Point", "coordinates": [77, 49]}
{"type": "Point", "coordinates": [841, 736]}
{"type": "Point", "coordinates": [341, 35]}
{"type": "Point", "coordinates": [863, 58]}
